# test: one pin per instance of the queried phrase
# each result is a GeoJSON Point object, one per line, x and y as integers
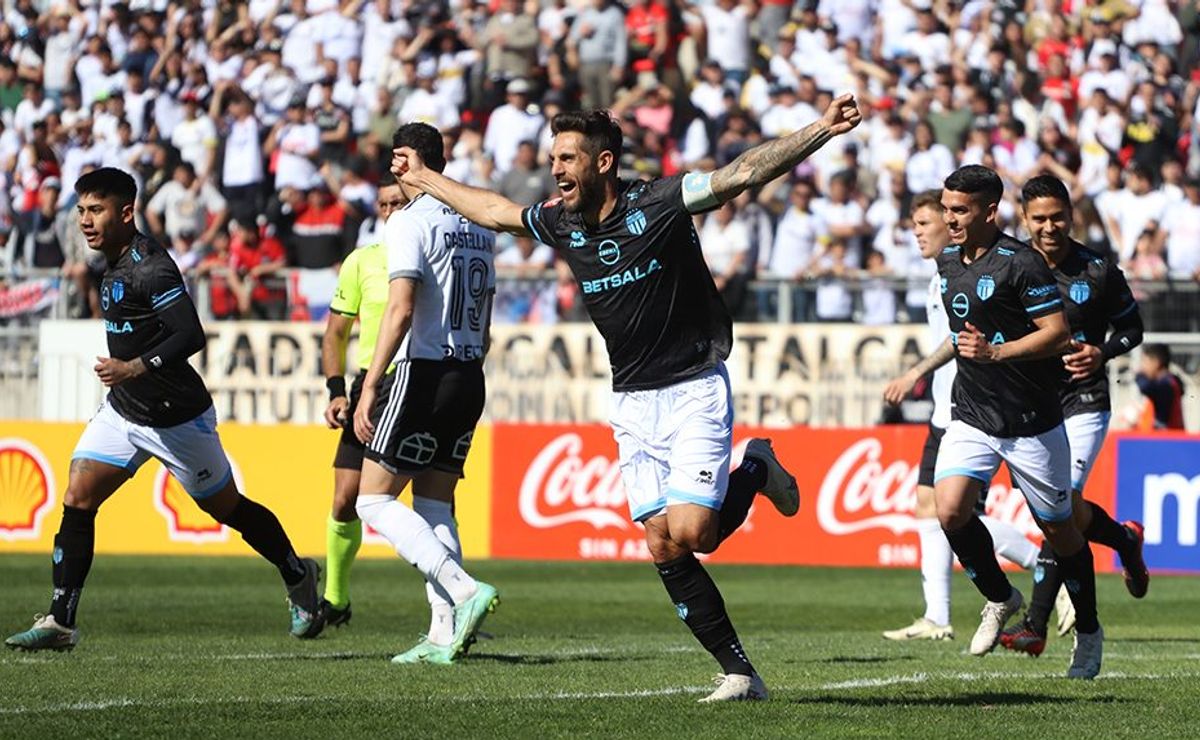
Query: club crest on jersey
{"type": "Point", "coordinates": [985, 287]}
{"type": "Point", "coordinates": [960, 305]}
{"type": "Point", "coordinates": [577, 239]}
{"type": "Point", "coordinates": [118, 290]}
{"type": "Point", "coordinates": [635, 221]}
{"type": "Point", "coordinates": [1080, 291]}
{"type": "Point", "coordinates": [609, 252]}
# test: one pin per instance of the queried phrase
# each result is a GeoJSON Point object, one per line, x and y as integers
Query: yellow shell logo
{"type": "Point", "coordinates": [185, 521]}
{"type": "Point", "coordinates": [26, 490]}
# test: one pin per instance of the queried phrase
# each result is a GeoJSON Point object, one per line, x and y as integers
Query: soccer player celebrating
{"type": "Point", "coordinates": [1096, 297]}
{"type": "Point", "coordinates": [1009, 334]}
{"type": "Point", "coordinates": [435, 328]}
{"type": "Point", "coordinates": [362, 292]}
{"type": "Point", "coordinates": [157, 406]}
{"type": "Point", "coordinates": [634, 252]}
{"type": "Point", "coordinates": [937, 560]}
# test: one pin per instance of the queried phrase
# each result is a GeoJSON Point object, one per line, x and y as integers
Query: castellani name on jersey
{"type": "Point", "coordinates": [453, 260]}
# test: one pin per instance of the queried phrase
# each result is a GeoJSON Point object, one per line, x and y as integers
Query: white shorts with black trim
{"type": "Point", "coordinates": [1040, 466]}
{"type": "Point", "coordinates": [675, 443]}
{"type": "Point", "coordinates": [191, 451]}
{"type": "Point", "coordinates": [1086, 434]}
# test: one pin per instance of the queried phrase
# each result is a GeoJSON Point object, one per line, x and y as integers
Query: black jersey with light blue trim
{"type": "Point", "coordinates": [1095, 295]}
{"type": "Point", "coordinates": [644, 282]}
{"type": "Point", "coordinates": [144, 281]}
{"type": "Point", "coordinates": [1001, 293]}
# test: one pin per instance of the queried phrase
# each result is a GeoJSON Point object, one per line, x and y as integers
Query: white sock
{"type": "Point", "coordinates": [1010, 544]}
{"type": "Point", "coordinates": [937, 560]}
{"type": "Point", "coordinates": [440, 516]}
{"type": "Point", "coordinates": [415, 541]}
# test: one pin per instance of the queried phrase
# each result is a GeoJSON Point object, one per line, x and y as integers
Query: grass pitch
{"type": "Point", "coordinates": [197, 647]}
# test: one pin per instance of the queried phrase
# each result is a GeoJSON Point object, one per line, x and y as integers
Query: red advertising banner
{"type": "Point", "coordinates": [558, 495]}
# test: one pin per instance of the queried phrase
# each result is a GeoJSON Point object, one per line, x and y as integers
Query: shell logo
{"type": "Point", "coordinates": [185, 521]}
{"type": "Point", "coordinates": [26, 490]}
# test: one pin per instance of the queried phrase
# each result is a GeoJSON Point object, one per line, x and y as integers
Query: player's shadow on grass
{"type": "Point", "coordinates": [551, 659]}
{"type": "Point", "coordinates": [958, 700]}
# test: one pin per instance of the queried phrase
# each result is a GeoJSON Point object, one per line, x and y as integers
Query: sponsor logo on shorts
{"type": "Point", "coordinates": [26, 490]}
{"type": "Point", "coordinates": [185, 521]}
{"type": "Point", "coordinates": [417, 448]}
{"type": "Point", "coordinates": [705, 477]}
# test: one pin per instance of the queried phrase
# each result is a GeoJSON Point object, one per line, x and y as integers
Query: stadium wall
{"type": "Point", "coordinates": [554, 492]}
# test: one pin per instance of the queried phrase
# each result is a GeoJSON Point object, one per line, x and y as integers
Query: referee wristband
{"type": "Point", "coordinates": [336, 386]}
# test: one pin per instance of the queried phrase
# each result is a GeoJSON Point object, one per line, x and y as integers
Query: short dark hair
{"type": "Point", "coordinates": [425, 140]}
{"type": "Point", "coordinates": [187, 167]}
{"type": "Point", "coordinates": [975, 179]}
{"type": "Point", "coordinates": [1045, 186]}
{"type": "Point", "coordinates": [108, 182]}
{"type": "Point", "coordinates": [928, 199]}
{"type": "Point", "coordinates": [1160, 352]}
{"type": "Point", "coordinates": [387, 179]}
{"type": "Point", "coordinates": [600, 131]}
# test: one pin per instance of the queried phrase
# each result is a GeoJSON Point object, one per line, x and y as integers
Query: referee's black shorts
{"type": "Point", "coordinates": [349, 455]}
{"type": "Point", "coordinates": [428, 418]}
{"type": "Point", "coordinates": [933, 443]}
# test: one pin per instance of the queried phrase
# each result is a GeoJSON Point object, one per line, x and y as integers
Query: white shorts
{"type": "Point", "coordinates": [1040, 466]}
{"type": "Point", "coordinates": [191, 451]}
{"type": "Point", "coordinates": [1086, 434]}
{"type": "Point", "coordinates": [675, 443]}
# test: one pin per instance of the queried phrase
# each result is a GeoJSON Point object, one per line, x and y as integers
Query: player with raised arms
{"type": "Point", "coordinates": [361, 294]}
{"type": "Point", "coordinates": [635, 254]}
{"type": "Point", "coordinates": [1096, 297]}
{"type": "Point", "coordinates": [435, 329]}
{"type": "Point", "coordinates": [157, 406]}
{"type": "Point", "coordinates": [1008, 332]}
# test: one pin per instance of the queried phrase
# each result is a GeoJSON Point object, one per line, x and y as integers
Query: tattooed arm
{"type": "Point", "coordinates": [899, 388]}
{"type": "Point", "coordinates": [769, 160]}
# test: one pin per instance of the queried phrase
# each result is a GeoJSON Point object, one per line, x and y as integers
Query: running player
{"type": "Point", "coordinates": [1096, 297]}
{"type": "Point", "coordinates": [1009, 333]}
{"type": "Point", "coordinates": [157, 407]}
{"type": "Point", "coordinates": [361, 293]}
{"type": "Point", "coordinates": [634, 252]}
{"type": "Point", "coordinates": [435, 326]}
{"type": "Point", "coordinates": [937, 560]}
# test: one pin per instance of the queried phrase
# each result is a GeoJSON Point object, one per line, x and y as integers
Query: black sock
{"type": "Point", "coordinates": [700, 606]}
{"type": "Point", "coordinates": [973, 545]}
{"type": "Point", "coordinates": [1046, 582]}
{"type": "Point", "coordinates": [74, 546]}
{"type": "Point", "coordinates": [744, 485]}
{"type": "Point", "coordinates": [1079, 574]}
{"type": "Point", "coordinates": [1105, 530]}
{"type": "Point", "coordinates": [263, 532]}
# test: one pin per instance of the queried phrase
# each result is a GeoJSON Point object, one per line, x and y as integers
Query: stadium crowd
{"type": "Point", "coordinates": [259, 131]}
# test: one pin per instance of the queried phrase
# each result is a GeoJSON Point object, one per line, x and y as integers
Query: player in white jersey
{"type": "Point", "coordinates": [937, 560]}
{"type": "Point", "coordinates": [435, 328]}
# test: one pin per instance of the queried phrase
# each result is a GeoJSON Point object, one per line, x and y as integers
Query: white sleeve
{"type": "Point", "coordinates": [405, 241]}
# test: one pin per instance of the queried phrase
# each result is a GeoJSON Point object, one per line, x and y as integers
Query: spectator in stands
{"type": "Point", "coordinates": [333, 122]}
{"type": "Point", "coordinates": [929, 163]}
{"type": "Point", "coordinates": [798, 235]}
{"type": "Point", "coordinates": [726, 244]}
{"type": "Point", "coordinates": [597, 49]}
{"type": "Point", "coordinates": [319, 234]}
{"type": "Point", "coordinates": [186, 205]}
{"type": "Point", "coordinates": [242, 162]}
{"type": "Point", "coordinates": [831, 268]}
{"type": "Point", "coordinates": [1162, 389]}
{"type": "Point", "coordinates": [1180, 233]}
{"type": "Point", "coordinates": [1135, 211]}
{"type": "Point", "coordinates": [510, 124]}
{"type": "Point", "coordinates": [527, 182]}
{"type": "Point", "coordinates": [524, 258]}
{"type": "Point", "coordinates": [225, 288]}
{"type": "Point", "coordinates": [649, 39]}
{"type": "Point", "coordinates": [293, 144]}
{"type": "Point", "coordinates": [509, 41]}
{"type": "Point", "coordinates": [844, 217]}
{"type": "Point", "coordinates": [196, 136]}
{"type": "Point", "coordinates": [725, 32]}
{"type": "Point", "coordinates": [257, 262]}
{"type": "Point", "coordinates": [44, 243]}
{"type": "Point", "coordinates": [879, 294]}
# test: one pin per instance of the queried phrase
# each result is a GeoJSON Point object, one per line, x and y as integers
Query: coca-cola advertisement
{"type": "Point", "coordinates": [558, 495]}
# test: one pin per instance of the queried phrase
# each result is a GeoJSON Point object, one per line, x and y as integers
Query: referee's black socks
{"type": "Point", "coordinates": [74, 546]}
{"type": "Point", "coordinates": [263, 532]}
{"type": "Point", "coordinates": [973, 545]}
{"type": "Point", "coordinates": [700, 606]}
